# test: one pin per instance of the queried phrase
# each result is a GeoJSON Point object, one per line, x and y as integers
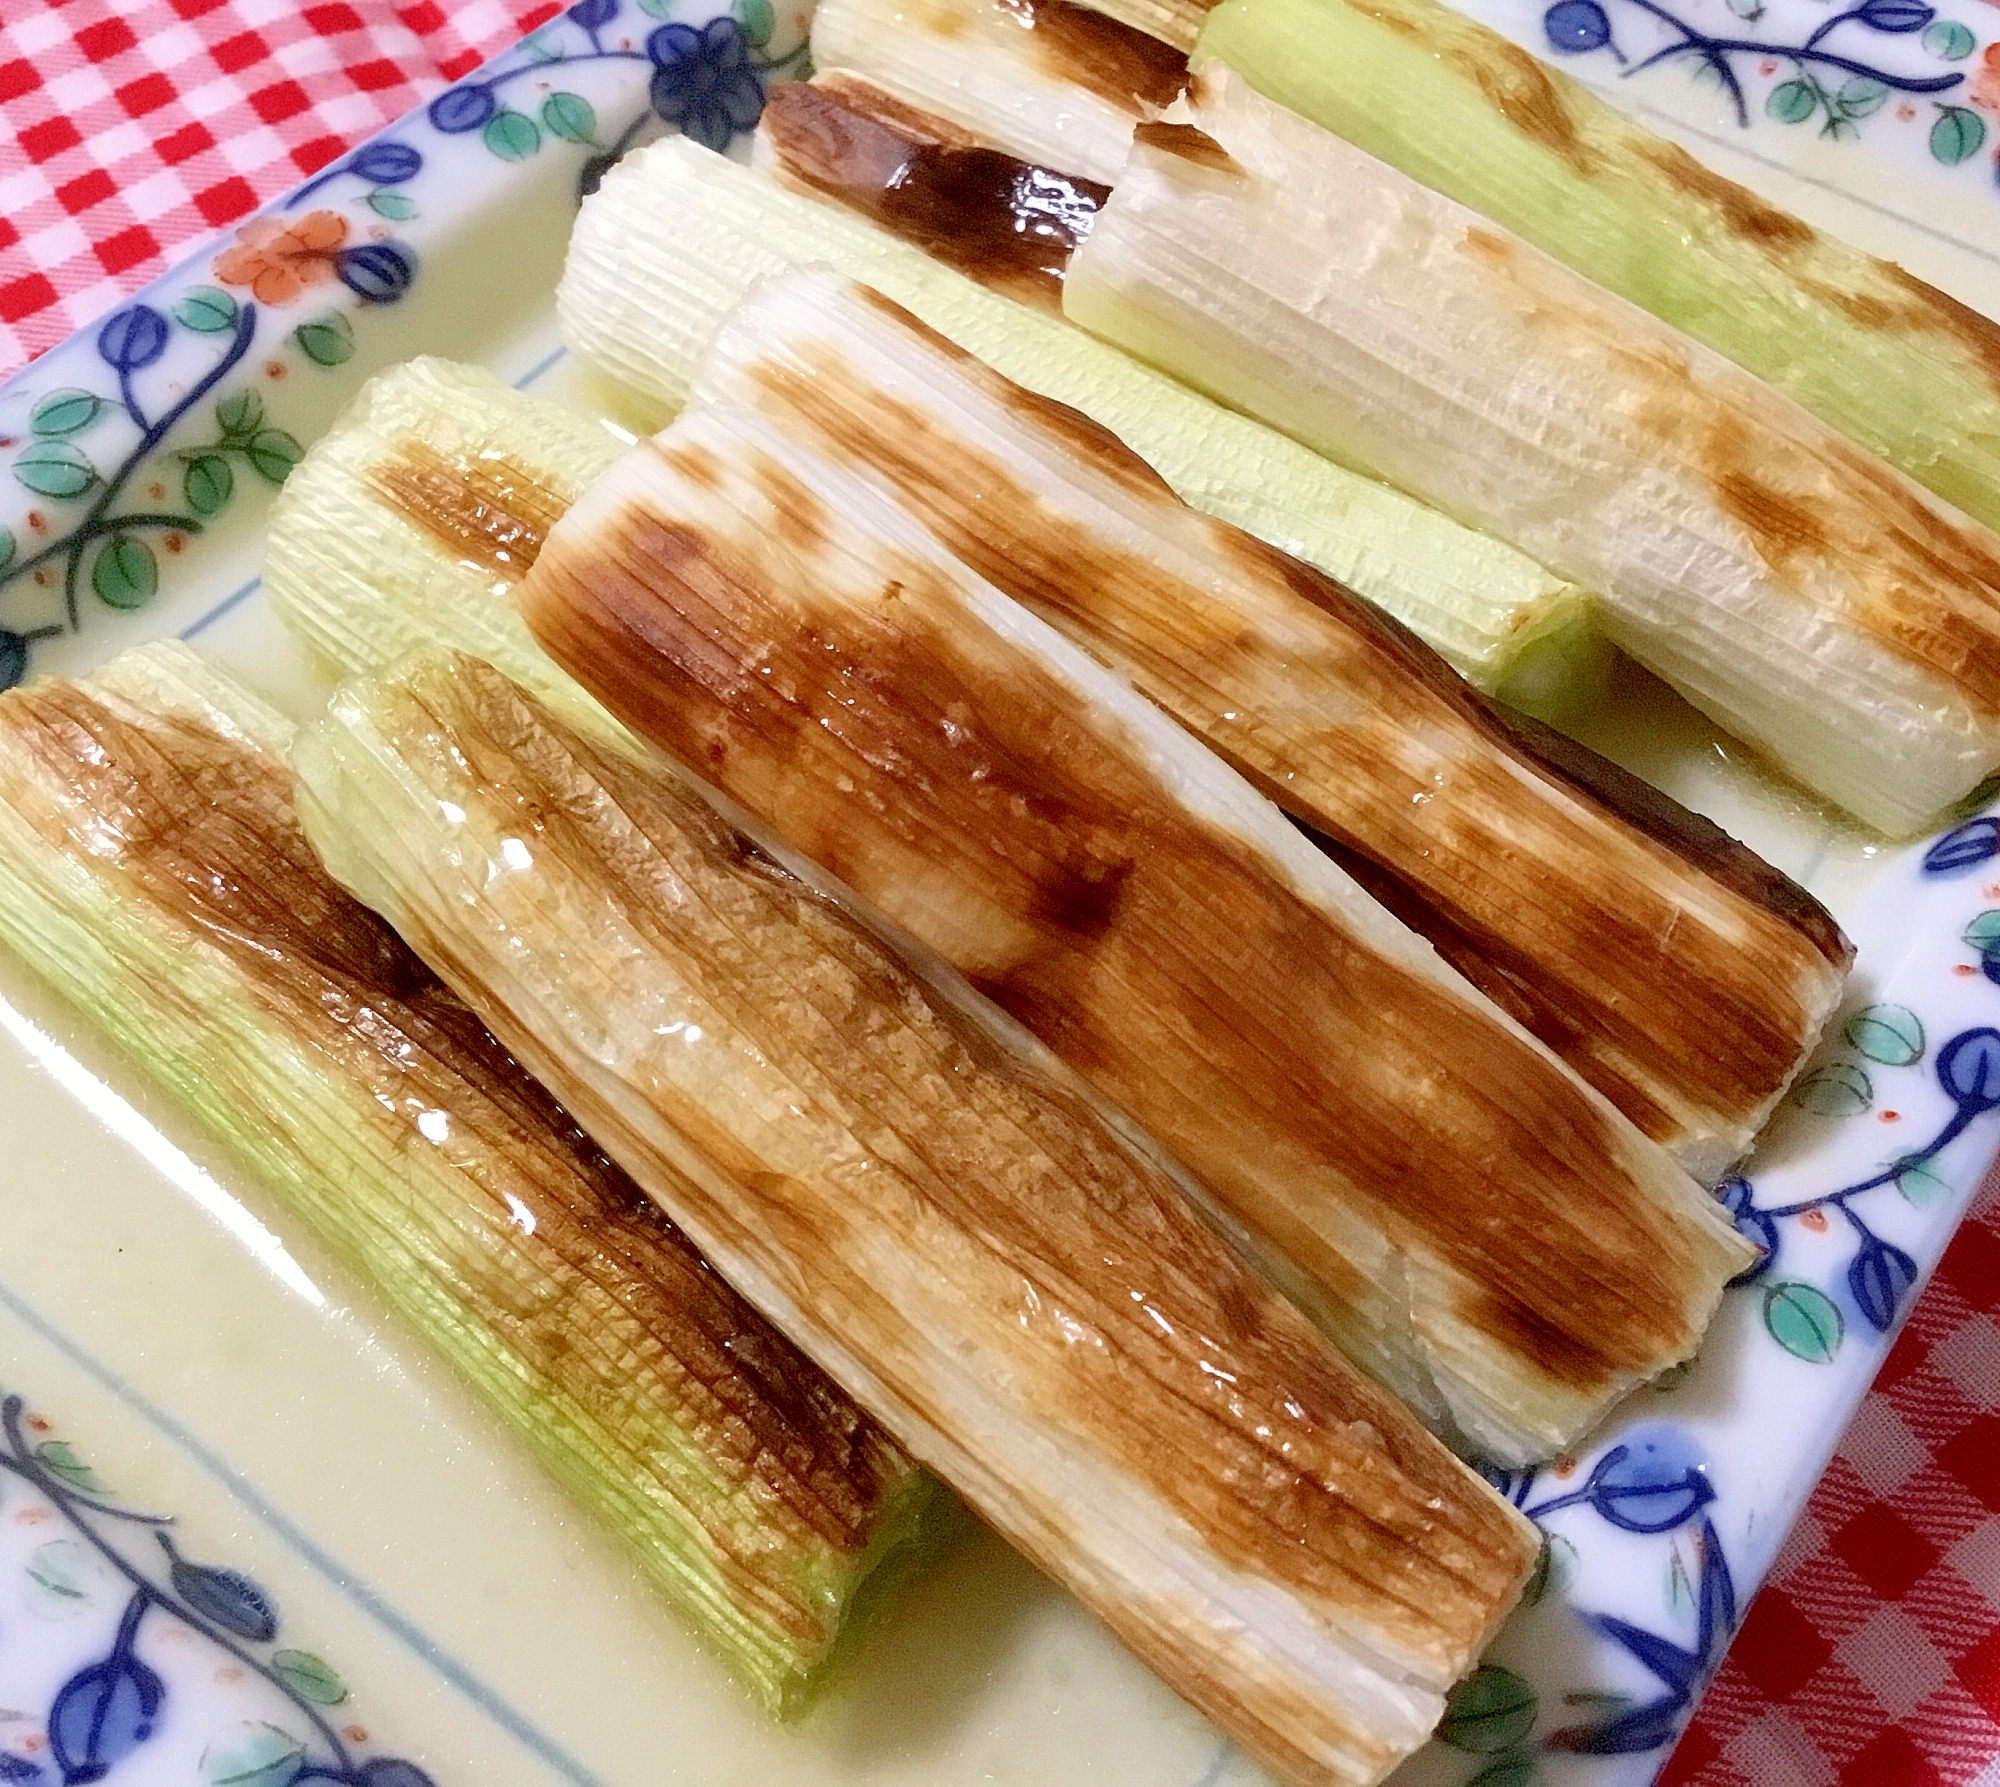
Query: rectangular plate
{"type": "Point", "coordinates": [346, 1500]}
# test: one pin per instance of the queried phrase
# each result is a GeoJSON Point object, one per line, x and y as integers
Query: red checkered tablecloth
{"type": "Point", "coordinates": [130, 128]}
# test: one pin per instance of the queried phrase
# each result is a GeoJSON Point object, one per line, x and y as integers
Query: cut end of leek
{"type": "Point", "coordinates": [676, 236]}
{"type": "Point", "coordinates": [409, 522]}
{"type": "Point", "coordinates": [152, 868]}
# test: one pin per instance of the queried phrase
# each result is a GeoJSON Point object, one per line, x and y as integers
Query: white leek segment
{"type": "Point", "coordinates": [923, 1202]}
{"type": "Point", "coordinates": [1673, 970]}
{"type": "Point", "coordinates": [1047, 81]}
{"type": "Point", "coordinates": [1873, 351]}
{"type": "Point", "coordinates": [675, 237]}
{"type": "Point", "coordinates": [1477, 1228]}
{"type": "Point", "coordinates": [152, 869]}
{"type": "Point", "coordinates": [1807, 597]}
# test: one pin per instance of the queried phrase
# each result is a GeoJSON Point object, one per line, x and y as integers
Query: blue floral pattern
{"type": "Point", "coordinates": [146, 452]}
{"type": "Point", "coordinates": [1838, 73]}
{"type": "Point", "coordinates": [109, 1593]}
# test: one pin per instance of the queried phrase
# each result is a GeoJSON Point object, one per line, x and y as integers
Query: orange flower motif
{"type": "Point", "coordinates": [278, 260]}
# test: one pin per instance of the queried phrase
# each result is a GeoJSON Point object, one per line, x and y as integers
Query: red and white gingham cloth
{"type": "Point", "coordinates": [1872, 1656]}
{"type": "Point", "coordinates": [134, 127]}
{"type": "Point", "coordinates": [130, 128]}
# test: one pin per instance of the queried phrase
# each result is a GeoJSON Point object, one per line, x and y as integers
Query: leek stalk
{"type": "Point", "coordinates": [152, 869]}
{"type": "Point", "coordinates": [1667, 964]}
{"type": "Point", "coordinates": [1877, 354]}
{"type": "Point", "coordinates": [676, 235]}
{"type": "Point", "coordinates": [1045, 80]}
{"type": "Point", "coordinates": [1480, 1230]}
{"type": "Point", "coordinates": [927, 1205]}
{"type": "Point", "coordinates": [1806, 596]}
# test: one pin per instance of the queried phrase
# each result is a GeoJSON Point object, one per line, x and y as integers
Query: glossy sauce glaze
{"type": "Point", "coordinates": [1336, 1092]}
{"type": "Point", "coordinates": [1676, 970]}
{"type": "Point", "coordinates": [1028, 1303]}
{"type": "Point", "coordinates": [598, 1295]}
{"type": "Point", "coordinates": [1006, 223]}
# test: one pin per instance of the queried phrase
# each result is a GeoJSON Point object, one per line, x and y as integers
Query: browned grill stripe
{"type": "Point", "coordinates": [949, 778]}
{"type": "Point", "coordinates": [485, 507]}
{"type": "Point", "coordinates": [1006, 223]}
{"type": "Point", "coordinates": [1587, 909]}
{"type": "Point", "coordinates": [1187, 1371]}
{"type": "Point", "coordinates": [1100, 55]}
{"type": "Point", "coordinates": [605, 1296]}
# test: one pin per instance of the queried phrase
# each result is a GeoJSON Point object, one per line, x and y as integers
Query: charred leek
{"type": "Point", "coordinates": [1670, 967]}
{"type": "Point", "coordinates": [1474, 1225]}
{"type": "Point", "coordinates": [929, 1208]}
{"type": "Point", "coordinates": [1044, 80]}
{"type": "Point", "coordinates": [1876, 353]}
{"type": "Point", "coordinates": [152, 867]}
{"type": "Point", "coordinates": [1808, 597]}
{"type": "Point", "coordinates": [676, 235]}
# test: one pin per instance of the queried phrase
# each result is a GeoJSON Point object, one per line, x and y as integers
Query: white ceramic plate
{"type": "Point", "coordinates": [374, 1586]}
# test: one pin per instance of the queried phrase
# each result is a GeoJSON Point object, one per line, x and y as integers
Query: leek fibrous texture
{"type": "Point", "coordinates": [1805, 595]}
{"type": "Point", "coordinates": [152, 868]}
{"type": "Point", "coordinates": [928, 1206]}
{"type": "Point", "coordinates": [1479, 1229]}
{"type": "Point", "coordinates": [409, 522]}
{"type": "Point", "coordinates": [676, 235]}
{"type": "Point", "coordinates": [1668, 965]}
{"type": "Point", "coordinates": [1670, 968]}
{"type": "Point", "coordinates": [1873, 351]}
{"type": "Point", "coordinates": [1045, 80]}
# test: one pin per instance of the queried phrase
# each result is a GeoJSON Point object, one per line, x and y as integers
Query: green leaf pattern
{"type": "Point", "coordinates": [1492, 1710]}
{"type": "Point", "coordinates": [1839, 1089]}
{"type": "Point", "coordinates": [1890, 1034]}
{"type": "Point", "coordinates": [1804, 1320]}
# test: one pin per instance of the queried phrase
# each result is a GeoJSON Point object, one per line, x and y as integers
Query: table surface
{"type": "Point", "coordinates": [132, 129]}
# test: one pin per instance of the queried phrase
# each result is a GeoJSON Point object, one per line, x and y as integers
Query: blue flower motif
{"type": "Point", "coordinates": [1968, 1068]}
{"type": "Point", "coordinates": [133, 338]}
{"type": "Point", "coordinates": [1576, 26]}
{"type": "Point", "coordinates": [376, 272]}
{"type": "Point", "coordinates": [704, 82]}
{"type": "Point", "coordinates": [460, 109]}
{"type": "Point", "coordinates": [1968, 847]}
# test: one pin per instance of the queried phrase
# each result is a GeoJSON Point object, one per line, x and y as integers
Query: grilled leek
{"type": "Point", "coordinates": [676, 235]}
{"type": "Point", "coordinates": [1872, 351]}
{"type": "Point", "coordinates": [152, 868]}
{"type": "Point", "coordinates": [1044, 80]}
{"type": "Point", "coordinates": [1806, 596]}
{"type": "Point", "coordinates": [409, 521]}
{"type": "Point", "coordinates": [1663, 961]}
{"type": "Point", "coordinates": [1478, 1229]}
{"type": "Point", "coordinates": [933, 1211]}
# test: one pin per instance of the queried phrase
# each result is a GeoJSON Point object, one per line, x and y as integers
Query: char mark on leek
{"type": "Point", "coordinates": [1044, 80]}
{"type": "Point", "coordinates": [1669, 965]}
{"type": "Point", "coordinates": [1804, 594]}
{"type": "Point", "coordinates": [1003, 222]}
{"type": "Point", "coordinates": [1900, 367]}
{"type": "Point", "coordinates": [1480, 1228]}
{"type": "Point", "coordinates": [676, 236]}
{"type": "Point", "coordinates": [152, 867]}
{"type": "Point", "coordinates": [931, 1208]}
